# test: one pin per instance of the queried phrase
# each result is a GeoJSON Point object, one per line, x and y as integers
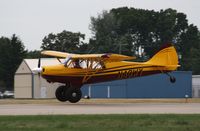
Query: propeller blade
{"type": "Point", "coordinates": [39, 62]}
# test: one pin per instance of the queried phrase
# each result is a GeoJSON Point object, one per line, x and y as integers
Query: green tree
{"type": "Point", "coordinates": [190, 48]}
{"type": "Point", "coordinates": [33, 54]}
{"type": "Point", "coordinates": [137, 30]}
{"type": "Point", "coordinates": [140, 28]}
{"type": "Point", "coordinates": [65, 41]}
{"type": "Point", "coordinates": [12, 52]}
{"type": "Point", "coordinates": [194, 61]}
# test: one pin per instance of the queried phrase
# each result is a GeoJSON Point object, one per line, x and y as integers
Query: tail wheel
{"type": "Point", "coordinates": [172, 79]}
{"type": "Point", "coordinates": [74, 94]}
{"type": "Point", "coordinates": [61, 93]}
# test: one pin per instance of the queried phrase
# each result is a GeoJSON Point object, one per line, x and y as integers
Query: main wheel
{"type": "Point", "coordinates": [74, 94]}
{"type": "Point", "coordinates": [61, 93]}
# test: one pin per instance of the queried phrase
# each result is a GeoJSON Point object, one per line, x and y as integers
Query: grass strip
{"type": "Point", "coordinates": [128, 122]}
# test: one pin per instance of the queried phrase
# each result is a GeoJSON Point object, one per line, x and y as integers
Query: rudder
{"type": "Point", "coordinates": [166, 56]}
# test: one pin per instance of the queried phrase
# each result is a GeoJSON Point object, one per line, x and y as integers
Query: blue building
{"type": "Point", "coordinates": [154, 86]}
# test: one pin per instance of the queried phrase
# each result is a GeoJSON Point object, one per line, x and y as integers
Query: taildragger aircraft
{"type": "Point", "coordinates": [80, 69]}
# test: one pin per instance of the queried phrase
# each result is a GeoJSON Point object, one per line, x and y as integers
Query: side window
{"type": "Point", "coordinates": [85, 64]}
{"type": "Point", "coordinates": [97, 65]}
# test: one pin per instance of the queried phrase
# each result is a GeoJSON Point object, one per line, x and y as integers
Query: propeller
{"type": "Point", "coordinates": [38, 69]}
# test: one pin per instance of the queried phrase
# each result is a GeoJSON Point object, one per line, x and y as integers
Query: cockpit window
{"type": "Point", "coordinates": [85, 64]}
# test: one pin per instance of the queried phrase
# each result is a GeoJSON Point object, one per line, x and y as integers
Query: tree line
{"type": "Point", "coordinates": [129, 31]}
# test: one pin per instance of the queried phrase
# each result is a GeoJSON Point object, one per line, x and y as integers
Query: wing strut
{"type": "Point", "coordinates": [89, 74]}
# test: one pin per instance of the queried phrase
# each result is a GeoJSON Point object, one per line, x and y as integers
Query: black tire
{"type": "Point", "coordinates": [61, 93]}
{"type": "Point", "coordinates": [74, 94]}
{"type": "Point", "coordinates": [172, 79]}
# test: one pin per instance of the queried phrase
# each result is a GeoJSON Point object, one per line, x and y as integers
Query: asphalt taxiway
{"type": "Point", "coordinates": [108, 108]}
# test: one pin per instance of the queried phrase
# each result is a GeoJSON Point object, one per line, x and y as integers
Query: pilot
{"type": "Point", "coordinates": [77, 64]}
{"type": "Point", "coordinates": [102, 64]}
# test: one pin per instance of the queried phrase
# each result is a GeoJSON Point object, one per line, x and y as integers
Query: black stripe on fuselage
{"type": "Point", "coordinates": [108, 71]}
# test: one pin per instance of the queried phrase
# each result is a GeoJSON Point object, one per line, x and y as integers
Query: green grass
{"type": "Point", "coordinates": [135, 122]}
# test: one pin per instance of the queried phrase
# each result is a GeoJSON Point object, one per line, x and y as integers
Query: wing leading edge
{"type": "Point", "coordinates": [105, 57]}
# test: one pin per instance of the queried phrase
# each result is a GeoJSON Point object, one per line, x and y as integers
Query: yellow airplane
{"type": "Point", "coordinates": [80, 69]}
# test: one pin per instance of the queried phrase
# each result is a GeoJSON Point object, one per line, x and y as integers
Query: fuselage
{"type": "Point", "coordinates": [112, 71]}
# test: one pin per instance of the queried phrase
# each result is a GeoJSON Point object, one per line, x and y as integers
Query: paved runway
{"type": "Point", "coordinates": [128, 108]}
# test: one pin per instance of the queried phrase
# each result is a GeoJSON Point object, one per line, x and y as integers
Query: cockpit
{"type": "Point", "coordinates": [84, 63]}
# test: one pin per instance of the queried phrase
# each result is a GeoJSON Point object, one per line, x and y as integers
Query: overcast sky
{"type": "Point", "coordinates": [31, 20]}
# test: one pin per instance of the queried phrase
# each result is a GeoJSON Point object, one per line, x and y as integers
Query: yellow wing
{"type": "Point", "coordinates": [104, 57]}
{"type": "Point", "coordinates": [55, 53]}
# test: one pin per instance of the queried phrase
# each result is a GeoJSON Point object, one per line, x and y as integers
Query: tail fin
{"type": "Point", "coordinates": [166, 56]}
